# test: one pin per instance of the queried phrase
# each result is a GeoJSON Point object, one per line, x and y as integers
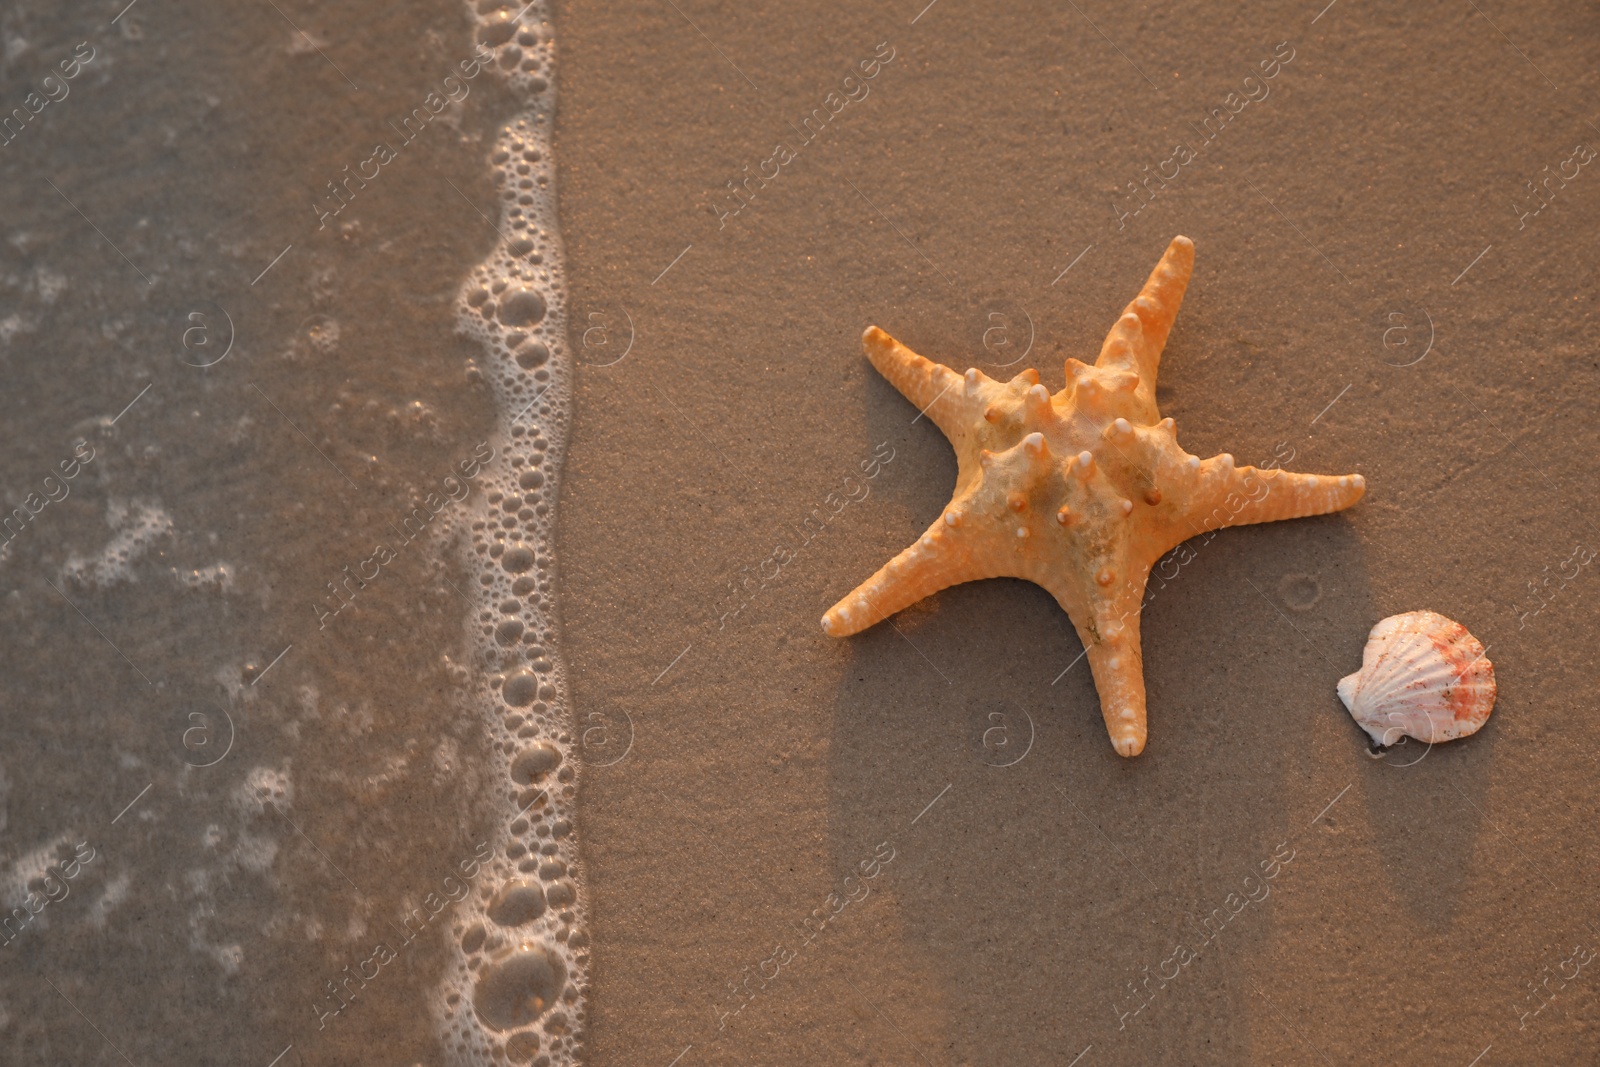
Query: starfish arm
{"type": "Point", "coordinates": [1246, 495]}
{"type": "Point", "coordinates": [1107, 622]}
{"type": "Point", "coordinates": [936, 390]}
{"type": "Point", "coordinates": [937, 561]}
{"type": "Point", "coordinates": [1119, 679]}
{"type": "Point", "coordinates": [1136, 341]}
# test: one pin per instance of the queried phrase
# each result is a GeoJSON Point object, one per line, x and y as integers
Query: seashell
{"type": "Point", "coordinates": [1422, 675]}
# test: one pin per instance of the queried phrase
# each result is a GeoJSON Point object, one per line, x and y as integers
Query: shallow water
{"type": "Point", "coordinates": [238, 671]}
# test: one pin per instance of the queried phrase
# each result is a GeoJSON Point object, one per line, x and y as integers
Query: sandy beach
{"type": "Point", "coordinates": [911, 846]}
{"type": "Point", "coordinates": [1029, 913]}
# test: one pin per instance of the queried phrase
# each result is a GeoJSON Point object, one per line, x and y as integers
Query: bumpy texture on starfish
{"type": "Point", "coordinates": [1080, 492]}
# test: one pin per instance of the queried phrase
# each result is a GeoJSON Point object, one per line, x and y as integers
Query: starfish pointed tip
{"type": "Point", "coordinates": [838, 622]}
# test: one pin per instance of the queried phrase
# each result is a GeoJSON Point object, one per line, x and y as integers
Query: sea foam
{"type": "Point", "coordinates": [520, 966]}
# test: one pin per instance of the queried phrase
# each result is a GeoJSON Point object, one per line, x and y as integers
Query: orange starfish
{"type": "Point", "coordinates": [1080, 492]}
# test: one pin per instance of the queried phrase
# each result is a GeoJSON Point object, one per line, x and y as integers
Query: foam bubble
{"type": "Point", "coordinates": [533, 763]}
{"type": "Point", "coordinates": [517, 558]}
{"type": "Point", "coordinates": [521, 687]}
{"type": "Point", "coordinates": [532, 354]}
{"type": "Point", "coordinates": [517, 903]}
{"type": "Point", "coordinates": [522, 307]}
{"type": "Point", "coordinates": [519, 987]}
{"type": "Point", "coordinates": [522, 1047]}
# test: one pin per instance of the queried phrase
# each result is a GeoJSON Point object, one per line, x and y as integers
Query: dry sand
{"type": "Point", "coordinates": [1004, 888]}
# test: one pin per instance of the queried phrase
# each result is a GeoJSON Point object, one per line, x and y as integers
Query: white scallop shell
{"type": "Point", "coordinates": [1422, 675]}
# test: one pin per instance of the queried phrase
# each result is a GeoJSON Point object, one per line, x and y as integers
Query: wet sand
{"type": "Point", "coordinates": [912, 846]}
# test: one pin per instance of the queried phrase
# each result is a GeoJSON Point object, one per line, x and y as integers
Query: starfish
{"type": "Point", "coordinates": [1080, 492]}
